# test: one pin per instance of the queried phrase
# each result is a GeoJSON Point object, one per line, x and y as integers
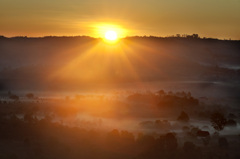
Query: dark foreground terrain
{"type": "Point", "coordinates": [140, 125]}
{"type": "Point", "coordinates": [141, 98]}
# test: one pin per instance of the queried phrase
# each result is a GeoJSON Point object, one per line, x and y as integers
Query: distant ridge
{"type": "Point", "coordinates": [178, 36]}
{"type": "Point", "coordinates": [82, 61]}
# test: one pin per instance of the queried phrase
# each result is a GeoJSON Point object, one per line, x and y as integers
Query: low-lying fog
{"type": "Point", "coordinates": [150, 111]}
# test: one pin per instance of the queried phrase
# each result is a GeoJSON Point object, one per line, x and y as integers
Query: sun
{"type": "Point", "coordinates": [111, 35]}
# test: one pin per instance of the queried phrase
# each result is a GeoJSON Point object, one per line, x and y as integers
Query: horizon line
{"type": "Point", "coordinates": [180, 36]}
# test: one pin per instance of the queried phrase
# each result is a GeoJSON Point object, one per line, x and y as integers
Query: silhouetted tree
{"type": "Point", "coordinates": [146, 141]}
{"type": "Point", "coordinates": [127, 138]}
{"type": "Point", "coordinates": [113, 138]}
{"type": "Point", "coordinates": [30, 95]}
{"type": "Point", "coordinates": [183, 117]}
{"type": "Point", "coordinates": [218, 121]}
{"type": "Point", "coordinates": [193, 131]}
{"type": "Point", "coordinates": [161, 93]}
{"type": "Point", "coordinates": [171, 142]}
{"type": "Point", "coordinates": [14, 97]}
{"type": "Point", "coordinates": [231, 122]}
{"type": "Point", "coordinates": [231, 116]}
{"type": "Point", "coordinates": [201, 133]}
{"type": "Point", "coordinates": [167, 144]}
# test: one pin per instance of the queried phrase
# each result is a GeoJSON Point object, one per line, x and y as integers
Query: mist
{"type": "Point", "coordinates": [143, 97]}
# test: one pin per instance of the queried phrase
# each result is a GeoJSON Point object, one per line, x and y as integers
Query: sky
{"type": "Point", "coordinates": [208, 18]}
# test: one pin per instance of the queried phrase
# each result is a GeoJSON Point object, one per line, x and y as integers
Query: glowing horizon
{"type": "Point", "coordinates": [217, 19]}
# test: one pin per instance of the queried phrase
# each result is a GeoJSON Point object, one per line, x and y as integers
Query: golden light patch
{"type": "Point", "coordinates": [109, 32]}
{"type": "Point", "coordinates": [111, 35]}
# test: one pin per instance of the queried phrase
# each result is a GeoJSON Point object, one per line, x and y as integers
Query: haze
{"type": "Point", "coordinates": [208, 18]}
{"type": "Point", "coordinates": [119, 79]}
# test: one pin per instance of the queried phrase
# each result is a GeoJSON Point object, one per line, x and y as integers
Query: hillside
{"type": "Point", "coordinates": [76, 62]}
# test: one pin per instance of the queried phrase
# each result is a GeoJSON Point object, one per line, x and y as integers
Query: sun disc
{"type": "Point", "coordinates": [111, 35]}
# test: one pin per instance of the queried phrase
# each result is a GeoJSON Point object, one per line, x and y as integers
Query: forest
{"type": "Point", "coordinates": [159, 125]}
{"type": "Point", "coordinates": [144, 97]}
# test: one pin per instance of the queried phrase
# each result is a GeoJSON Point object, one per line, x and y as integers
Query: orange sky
{"type": "Point", "coordinates": [210, 18]}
